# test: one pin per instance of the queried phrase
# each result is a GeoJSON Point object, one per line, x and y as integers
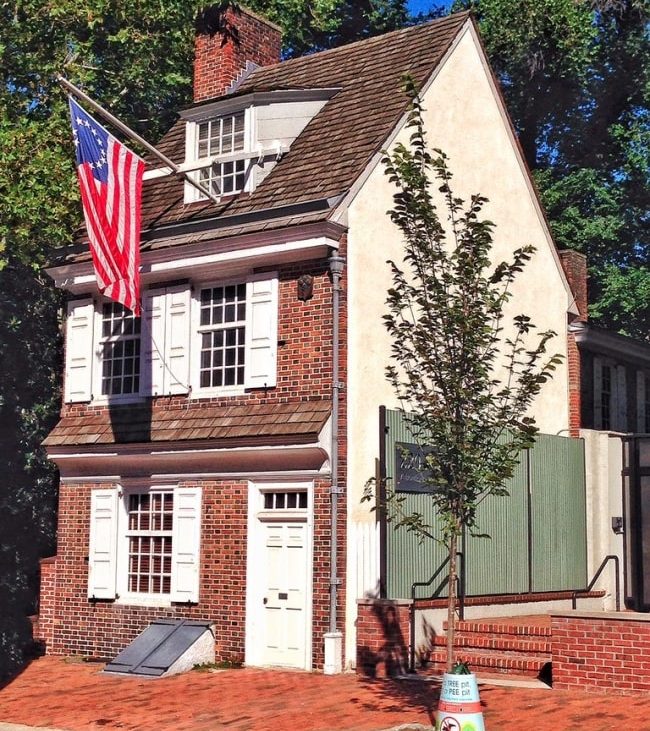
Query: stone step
{"type": "Point", "coordinates": [524, 665]}
{"type": "Point", "coordinates": [501, 628]}
{"type": "Point", "coordinates": [504, 643]}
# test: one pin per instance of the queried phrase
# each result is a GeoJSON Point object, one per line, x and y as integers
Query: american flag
{"type": "Point", "coordinates": [110, 176]}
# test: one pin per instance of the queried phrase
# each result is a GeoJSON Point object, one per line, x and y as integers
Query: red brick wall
{"type": "Point", "coordinates": [304, 351]}
{"type": "Point", "coordinates": [47, 598]}
{"type": "Point", "coordinates": [575, 268]}
{"type": "Point", "coordinates": [103, 628]}
{"type": "Point", "coordinates": [224, 44]}
{"type": "Point", "coordinates": [383, 637]}
{"type": "Point", "coordinates": [602, 652]}
{"type": "Point", "coordinates": [304, 372]}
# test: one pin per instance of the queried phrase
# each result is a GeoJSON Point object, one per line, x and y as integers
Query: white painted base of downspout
{"type": "Point", "coordinates": [333, 653]}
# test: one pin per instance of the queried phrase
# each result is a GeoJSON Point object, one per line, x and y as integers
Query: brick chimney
{"type": "Point", "coordinates": [225, 41]}
{"type": "Point", "coordinates": [575, 267]}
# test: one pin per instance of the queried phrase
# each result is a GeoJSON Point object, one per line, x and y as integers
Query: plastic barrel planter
{"type": "Point", "coordinates": [459, 708]}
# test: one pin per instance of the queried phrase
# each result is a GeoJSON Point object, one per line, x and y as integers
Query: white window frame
{"type": "Point", "coordinates": [618, 395]}
{"type": "Point", "coordinates": [193, 163]}
{"type": "Point", "coordinates": [186, 543]}
{"type": "Point", "coordinates": [195, 348]}
{"type": "Point", "coordinates": [97, 364]}
{"type": "Point", "coordinates": [123, 548]}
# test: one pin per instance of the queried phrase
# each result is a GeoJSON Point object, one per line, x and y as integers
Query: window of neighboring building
{"type": "Point", "coordinates": [149, 534]}
{"type": "Point", "coordinates": [120, 351]}
{"type": "Point", "coordinates": [643, 402]}
{"type": "Point", "coordinates": [610, 395]}
{"type": "Point", "coordinates": [606, 397]}
{"type": "Point", "coordinates": [223, 336]}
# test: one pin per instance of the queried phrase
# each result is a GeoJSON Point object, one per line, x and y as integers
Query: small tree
{"type": "Point", "coordinates": [465, 381]}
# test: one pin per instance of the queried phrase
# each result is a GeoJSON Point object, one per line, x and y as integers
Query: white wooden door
{"type": "Point", "coordinates": [284, 604]}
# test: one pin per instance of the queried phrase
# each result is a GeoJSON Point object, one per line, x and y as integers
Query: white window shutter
{"type": "Point", "coordinates": [261, 333]}
{"type": "Point", "coordinates": [621, 399]}
{"type": "Point", "coordinates": [102, 554]}
{"type": "Point", "coordinates": [152, 344]}
{"type": "Point", "coordinates": [598, 391]}
{"type": "Point", "coordinates": [177, 340]}
{"type": "Point", "coordinates": [186, 544]}
{"type": "Point", "coordinates": [79, 350]}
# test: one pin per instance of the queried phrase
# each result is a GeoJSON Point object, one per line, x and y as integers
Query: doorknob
{"type": "Point", "coordinates": [265, 600]}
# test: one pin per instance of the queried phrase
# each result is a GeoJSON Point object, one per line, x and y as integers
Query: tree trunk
{"type": "Point", "coordinates": [451, 600]}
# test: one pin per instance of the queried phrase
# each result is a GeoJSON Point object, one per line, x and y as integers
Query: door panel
{"type": "Point", "coordinates": [285, 594]}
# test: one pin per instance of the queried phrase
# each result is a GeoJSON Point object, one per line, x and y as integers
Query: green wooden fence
{"type": "Point", "coordinates": [537, 534]}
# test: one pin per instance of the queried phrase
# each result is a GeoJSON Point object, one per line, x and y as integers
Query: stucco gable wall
{"type": "Point", "coordinates": [463, 118]}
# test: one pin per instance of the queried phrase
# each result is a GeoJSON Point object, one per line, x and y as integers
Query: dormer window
{"type": "Point", "coordinates": [220, 136]}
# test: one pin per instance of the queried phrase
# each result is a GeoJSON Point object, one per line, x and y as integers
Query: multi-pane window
{"type": "Point", "coordinates": [295, 500]}
{"type": "Point", "coordinates": [606, 397]}
{"type": "Point", "coordinates": [222, 136]}
{"type": "Point", "coordinates": [150, 522]}
{"type": "Point", "coordinates": [120, 347]}
{"type": "Point", "coordinates": [222, 330]}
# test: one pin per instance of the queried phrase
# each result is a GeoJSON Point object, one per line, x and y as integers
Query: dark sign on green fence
{"type": "Point", "coordinates": [411, 474]}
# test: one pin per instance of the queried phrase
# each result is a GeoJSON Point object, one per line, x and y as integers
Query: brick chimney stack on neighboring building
{"type": "Point", "coordinates": [225, 42]}
{"type": "Point", "coordinates": [575, 267]}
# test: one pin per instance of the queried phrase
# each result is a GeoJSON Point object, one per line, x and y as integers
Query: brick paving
{"type": "Point", "coordinates": [60, 694]}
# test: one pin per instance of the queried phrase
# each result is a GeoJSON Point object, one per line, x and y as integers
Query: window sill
{"type": "Point", "coordinates": [203, 393]}
{"type": "Point", "coordinates": [145, 600]}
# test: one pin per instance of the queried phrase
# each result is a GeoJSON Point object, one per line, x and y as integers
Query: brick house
{"type": "Point", "coordinates": [214, 452]}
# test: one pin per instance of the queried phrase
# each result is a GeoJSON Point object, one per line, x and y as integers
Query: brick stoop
{"type": "Point", "coordinates": [498, 646]}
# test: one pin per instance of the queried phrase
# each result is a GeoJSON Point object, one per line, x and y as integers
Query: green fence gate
{"type": "Point", "coordinates": [538, 534]}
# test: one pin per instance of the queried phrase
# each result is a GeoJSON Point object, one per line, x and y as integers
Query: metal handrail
{"type": "Point", "coordinates": [592, 583]}
{"type": "Point", "coordinates": [460, 580]}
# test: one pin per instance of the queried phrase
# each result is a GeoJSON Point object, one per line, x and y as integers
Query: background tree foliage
{"type": "Point", "coordinates": [576, 77]}
{"type": "Point", "coordinates": [135, 57]}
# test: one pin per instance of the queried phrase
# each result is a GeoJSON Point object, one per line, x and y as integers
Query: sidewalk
{"type": "Point", "coordinates": [54, 693]}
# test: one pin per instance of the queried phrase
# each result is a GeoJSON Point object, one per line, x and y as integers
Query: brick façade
{"type": "Point", "coordinates": [73, 625]}
{"type": "Point", "coordinates": [601, 653]}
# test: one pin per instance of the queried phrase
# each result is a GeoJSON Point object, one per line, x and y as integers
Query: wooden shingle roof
{"type": "Point", "coordinates": [336, 145]}
{"type": "Point", "coordinates": [227, 426]}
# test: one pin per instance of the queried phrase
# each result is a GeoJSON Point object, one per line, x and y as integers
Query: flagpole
{"type": "Point", "coordinates": [134, 136]}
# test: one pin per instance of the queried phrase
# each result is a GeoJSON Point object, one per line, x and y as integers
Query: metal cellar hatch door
{"type": "Point", "coordinates": [163, 646]}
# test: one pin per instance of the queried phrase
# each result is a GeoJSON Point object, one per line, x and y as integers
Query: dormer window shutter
{"type": "Point", "coordinates": [261, 333]}
{"type": "Point", "coordinates": [79, 350]}
{"type": "Point", "coordinates": [102, 554]}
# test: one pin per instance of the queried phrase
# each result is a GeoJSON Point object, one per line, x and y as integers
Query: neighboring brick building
{"type": "Point", "coordinates": [208, 450]}
{"type": "Point", "coordinates": [609, 386]}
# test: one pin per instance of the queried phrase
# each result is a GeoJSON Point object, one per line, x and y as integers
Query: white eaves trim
{"type": "Point", "coordinates": [81, 278]}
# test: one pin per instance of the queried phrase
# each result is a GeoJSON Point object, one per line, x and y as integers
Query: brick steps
{"type": "Point", "coordinates": [519, 647]}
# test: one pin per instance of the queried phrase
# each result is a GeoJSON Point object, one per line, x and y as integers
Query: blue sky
{"type": "Point", "coordinates": [419, 6]}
